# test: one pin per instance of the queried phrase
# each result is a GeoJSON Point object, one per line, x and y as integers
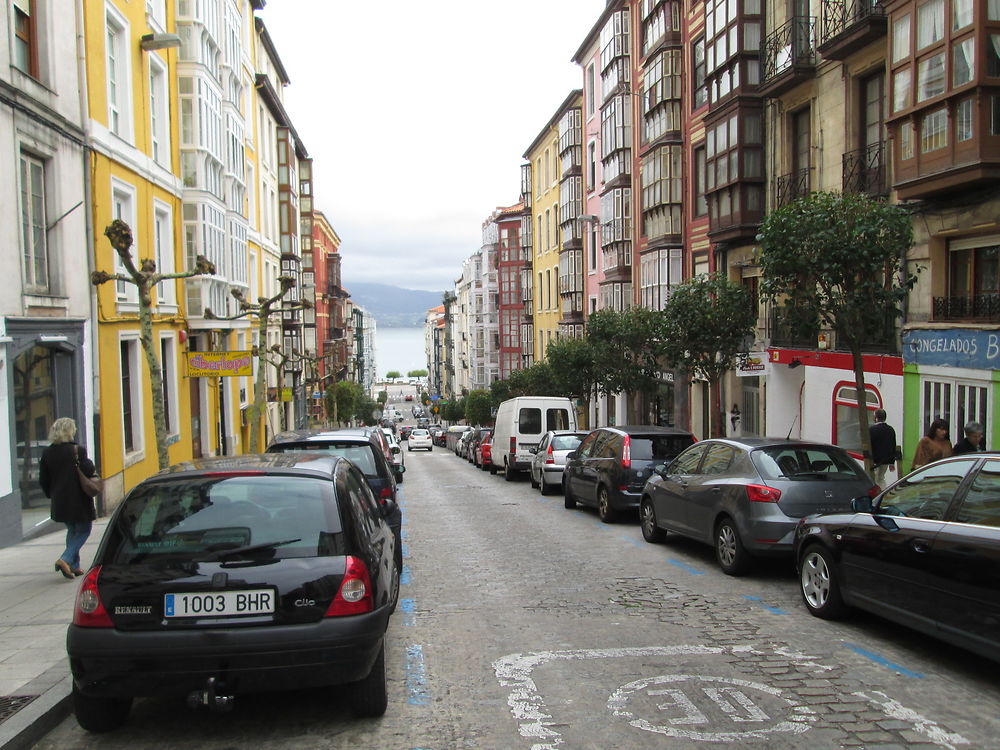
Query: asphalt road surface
{"type": "Point", "coordinates": [526, 625]}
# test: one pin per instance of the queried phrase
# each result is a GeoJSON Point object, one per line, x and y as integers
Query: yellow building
{"type": "Point", "coordinates": [543, 155]}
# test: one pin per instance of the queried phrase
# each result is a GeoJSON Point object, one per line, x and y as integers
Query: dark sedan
{"type": "Point", "coordinates": [745, 496]}
{"type": "Point", "coordinates": [925, 554]}
{"type": "Point", "coordinates": [236, 575]}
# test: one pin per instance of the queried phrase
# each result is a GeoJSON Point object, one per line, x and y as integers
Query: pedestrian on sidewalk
{"type": "Point", "coordinates": [57, 474]}
{"type": "Point", "coordinates": [973, 440]}
{"type": "Point", "coordinates": [883, 440]}
{"type": "Point", "coordinates": [933, 446]}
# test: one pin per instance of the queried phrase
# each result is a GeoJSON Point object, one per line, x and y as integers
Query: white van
{"type": "Point", "coordinates": [520, 424]}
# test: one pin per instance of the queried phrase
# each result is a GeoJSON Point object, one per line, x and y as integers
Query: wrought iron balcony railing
{"type": "Point", "coordinates": [791, 45]}
{"type": "Point", "coordinates": [864, 170]}
{"type": "Point", "coordinates": [790, 186]}
{"type": "Point", "coordinates": [984, 307]}
{"type": "Point", "coordinates": [840, 16]}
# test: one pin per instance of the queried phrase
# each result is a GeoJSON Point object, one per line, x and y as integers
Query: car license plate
{"type": "Point", "coordinates": [220, 603]}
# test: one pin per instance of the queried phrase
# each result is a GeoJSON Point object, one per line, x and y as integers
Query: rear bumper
{"type": "Point", "coordinates": [770, 536]}
{"type": "Point", "coordinates": [625, 499]}
{"type": "Point", "coordinates": [110, 662]}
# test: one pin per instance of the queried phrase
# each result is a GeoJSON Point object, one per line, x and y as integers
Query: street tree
{"type": "Point", "coordinates": [417, 374]}
{"type": "Point", "coordinates": [382, 398]}
{"type": "Point", "coordinates": [393, 375]}
{"type": "Point", "coordinates": [627, 347]}
{"type": "Point", "coordinates": [264, 308]}
{"type": "Point", "coordinates": [837, 261]}
{"type": "Point", "coordinates": [536, 380]}
{"type": "Point", "coordinates": [145, 278]}
{"type": "Point", "coordinates": [478, 405]}
{"type": "Point", "coordinates": [343, 400]}
{"type": "Point", "coordinates": [574, 371]}
{"type": "Point", "coordinates": [707, 323]}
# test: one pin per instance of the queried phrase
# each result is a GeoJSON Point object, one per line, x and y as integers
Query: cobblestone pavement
{"type": "Point", "coordinates": [526, 625]}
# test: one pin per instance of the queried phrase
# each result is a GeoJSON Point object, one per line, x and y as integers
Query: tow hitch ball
{"type": "Point", "coordinates": [211, 698]}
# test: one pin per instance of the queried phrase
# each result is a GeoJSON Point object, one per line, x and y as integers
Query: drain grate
{"type": "Point", "coordinates": [11, 704]}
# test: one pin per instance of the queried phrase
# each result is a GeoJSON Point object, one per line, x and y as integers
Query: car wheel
{"type": "Point", "coordinates": [369, 698]}
{"type": "Point", "coordinates": [394, 587]}
{"type": "Point", "coordinates": [604, 510]}
{"type": "Point", "coordinates": [99, 714]}
{"type": "Point", "coordinates": [493, 469]}
{"type": "Point", "coordinates": [531, 476]}
{"type": "Point", "coordinates": [508, 472]}
{"type": "Point", "coordinates": [409, 449]}
{"type": "Point", "coordinates": [647, 521]}
{"type": "Point", "coordinates": [543, 486]}
{"type": "Point", "coordinates": [568, 500]}
{"type": "Point", "coordinates": [820, 585]}
{"type": "Point", "coordinates": [729, 550]}
{"type": "Point", "coordinates": [399, 478]}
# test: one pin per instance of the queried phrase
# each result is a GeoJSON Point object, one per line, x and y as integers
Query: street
{"type": "Point", "coordinates": [526, 625]}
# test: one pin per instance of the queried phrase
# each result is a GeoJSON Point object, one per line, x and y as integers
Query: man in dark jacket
{"type": "Point", "coordinates": [58, 477]}
{"type": "Point", "coordinates": [972, 442]}
{"type": "Point", "coordinates": [883, 439]}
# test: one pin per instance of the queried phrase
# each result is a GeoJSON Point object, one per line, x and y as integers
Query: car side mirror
{"type": "Point", "coordinates": [395, 449]}
{"type": "Point", "coordinates": [533, 451]}
{"type": "Point", "coordinates": [660, 469]}
{"type": "Point", "coordinates": [388, 507]}
{"type": "Point", "coordinates": [402, 469]}
{"type": "Point", "coordinates": [862, 504]}
{"type": "Point", "coordinates": [572, 454]}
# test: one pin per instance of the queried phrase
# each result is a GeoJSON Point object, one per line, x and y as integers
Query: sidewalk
{"type": "Point", "coordinates": [36, 605]}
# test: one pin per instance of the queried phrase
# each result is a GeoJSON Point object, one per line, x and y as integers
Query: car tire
{"type": "Point", "coordinates": [568, 500]}
{"type": "Point", "coordinates": [531, 477]}
{"type": "Point", "coordinates": [399, 478]}
{"type": "Point", "coordinates": [508, 473]}
{"type": "Point", "coordinates": [729, 550]}
{"type": "Point", "coordinates": [394, 587]}
{"type": "Point", "coordinates": [370, 697]}
{"type": "Point", "coordinates": [409, 449]}
{"type": "Point", "coordinates": [100, 714]}
{"type": "Point", "coordinates": [819, 583]}
{"type": "Point", "coordinates": [647, 522]}
{"type": "Point", "coordinates": [605, 512]}
{"type": "Point", "coordinates": [492, 469]}
{"type": "Point", "coordinates": [543, 486]}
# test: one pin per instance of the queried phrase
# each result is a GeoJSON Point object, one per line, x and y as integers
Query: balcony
{"type": "Point", "coordinates": [788, 56]}
{"type": "Point", "coordinates": [849, 25]}
{"type": "Point", "coordinates": [864, 171]}
{"type": "Point", "coordinates": [792, 186]}
{"type": "Point", "coordinates": [617, 258]}
{"type": "Point", "coordinates": [980, 308]}
{"type": "Point", "coordinates": [784, 334]}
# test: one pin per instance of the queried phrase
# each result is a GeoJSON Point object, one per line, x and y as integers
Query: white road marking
{"type": "Point", "coordinates": [921, 724]}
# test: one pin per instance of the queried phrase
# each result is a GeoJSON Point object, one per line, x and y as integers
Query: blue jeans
{"type": "Point", "coordinates": [76, 536]}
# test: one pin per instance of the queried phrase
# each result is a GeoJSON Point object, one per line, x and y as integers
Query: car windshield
{"type": "Point", "coordinates": [359, 454]}
{"type": "Point", "coordinates": [565, 442]}
{"type": "Point", "coordinates": [658, 448]}
{"type": "Point", "coordinates": [806, 463]}
{"type": "Point", "coordinates": [241, 516]}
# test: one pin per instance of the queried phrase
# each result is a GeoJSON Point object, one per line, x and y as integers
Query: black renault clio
{"type": "Point", "coordinates": [235, 575]}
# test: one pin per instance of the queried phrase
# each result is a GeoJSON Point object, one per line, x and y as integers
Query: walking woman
{"type": "Point", "coordinates": [70, 505]}
{"type": "Point", "coordinates": [933, 446]}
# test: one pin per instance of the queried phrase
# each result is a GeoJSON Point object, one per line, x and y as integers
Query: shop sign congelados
{"type": "Point", "coordinates": [749, 364]}
{"type": "Point", "coordinates": [219, 364]}
{"type": "Point", "coordinates": [952, 348]}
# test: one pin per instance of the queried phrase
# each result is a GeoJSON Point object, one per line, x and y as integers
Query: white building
{"type": "Point", "coordinates": [46, 333]}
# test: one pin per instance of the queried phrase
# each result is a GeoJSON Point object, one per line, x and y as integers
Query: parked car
{"type": "Point", "coordinates": [462, 446]}
{"type": "Point", "coordinates": [746, 496]}
{"type": "Point", "coordinates": [923, 554]}
{"type": "Point", "coordinates": [484, 454]}
{"type": "Point", "coordinates": [404, 432]}
{"type": "Point", "coordinates": [453, 435]}
{"type": "Point", "coordinates": [472, 450]}
{"type": "Point", "coordinates": [419, 439]}
{"type": "Point", "coordinates": [438, 434]}
{"type": "Point", "coordinates": [367, 450]}
{"type": "Point", "coordinates": [611, 465]}
{"type": "Point", "coordinates": [425, 423]}
{"type": "Point", "coordinates": [395, 454]}
{"type": "Point", "coordinates": [549, 459]}
{"type": "Point", "coordinates": [520, 424]}
{"type": "Point", "coordinates": [234, 575]}
{"type": "Point", "coordinates": [408, 397]}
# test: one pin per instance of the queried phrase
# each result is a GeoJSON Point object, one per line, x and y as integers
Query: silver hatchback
{"type": "Point", "coordinates": [549, 458]}
{"type": "Point", "coordinates": [745, 497]}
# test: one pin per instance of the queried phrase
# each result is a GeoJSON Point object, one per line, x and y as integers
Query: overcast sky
{"type": "Point", "coordinates": [417, 115]}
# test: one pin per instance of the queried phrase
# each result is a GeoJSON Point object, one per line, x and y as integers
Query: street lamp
{"type": "Point", "coordinates": [159, 40]}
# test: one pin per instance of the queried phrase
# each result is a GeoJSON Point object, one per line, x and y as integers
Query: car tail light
{"type": "Point", "coordinates": [355, 596]}
{"type": "Point", "coordinates": [874, 491]}
{"type": "Point", "coordinates": [627, 452]}
{"type": "Point", "coordinates": [90, 611]}
{"type": "Point", "coordinates": [385, 494]}
{"type": "Point", "coordinates": [513, 446]}
{"type": "Point", "coordinates": [549, 459]}
{"type": "Point", "coordinates": [760, 493]}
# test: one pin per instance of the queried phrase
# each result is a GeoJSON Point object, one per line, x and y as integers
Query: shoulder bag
{"type": "Point", "coordinates": [91, 486]}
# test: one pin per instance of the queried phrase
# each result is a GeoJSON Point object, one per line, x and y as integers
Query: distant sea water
{"type": "Point", "coordinates": [400, 349]}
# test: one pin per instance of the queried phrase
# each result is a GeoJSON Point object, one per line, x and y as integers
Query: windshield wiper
{"type": "Point", "coordinates": [219, 554]}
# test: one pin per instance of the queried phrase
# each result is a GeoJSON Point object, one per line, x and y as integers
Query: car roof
{"type": "Point", "coordinates": [298, 462]}
{"type": "Point", "coordinates": [646, 429]}
{"type": "Point", "coordinates": [751, 443]}
{"type": "Point", "coordinates": [320, 436]}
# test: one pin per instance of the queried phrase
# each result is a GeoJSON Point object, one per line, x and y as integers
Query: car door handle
{"type": "Point", "coordinates": [921, 545]}
{"type": "Point", "coordinates": [716, 489]}
{"type": "Point", "coordinates": [682, 483]}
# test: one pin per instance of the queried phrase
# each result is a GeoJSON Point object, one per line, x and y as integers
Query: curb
{"type": "Point", "coordinates": [42, 715]}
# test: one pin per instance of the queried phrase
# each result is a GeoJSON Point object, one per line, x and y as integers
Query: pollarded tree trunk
{"type": "Point", "coordinates": [859, 380]}
{"type": "Point", "coordinates": [155, 374]}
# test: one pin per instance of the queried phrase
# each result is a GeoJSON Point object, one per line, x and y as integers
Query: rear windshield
{"type": "Point", "coordinates": [806, 462]}
{"type": "Point", "coordinates": [419, 433]}
{"type": "Point", "coordinates": [361, 455]}
{"type": "Point", "coordinates": [659, 448]}
{"type": "Point", "coordinates": [566, 442]}
{"type": "Point", "coordinates": [529, 420]}
{"type": "Point", "coordinates": [213, 518]}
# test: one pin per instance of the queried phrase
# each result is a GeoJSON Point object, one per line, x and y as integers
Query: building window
{"type": "Point", "coordinates": [662, 192]}
{"type": "Point", "coordinates": [957, 403]}
{"type": "Point", "coordinates": [662, 95]}
{"type": "Point", "coordinates": [700, 202]}
{"type": "Point", "coordinates": [25, 37]}
{"type": "Point", "coordinates": [591, 91]}
{"type": "Point", "coordinates": [591, 166]}
{"type": "Point", "coordinates": [995, 115]}
{"type": "Point", "coordinates": [159, 112]}
{"type": "Point", "coordinates": [964, 120]}
{"type": "Point", "coordinates": [698, 67]}
{"type": "Point", "coordinates": [974, 271]}
{"type": "Point", "coordinates": [930, 77]}
{"type": "Point", "coordinates": [659, 271]}
{"type": "Point", "coordinates": [119, 105]}
{"type": "Point", "coordinates": [963, 61]}
{"type": "Point", "coordinates": [123, 208]}
{"type": "Point", "coordinates": [163, 240]}
{"type": "Point", "coordinates": [131, 392]}
{"type": "Point", "coordinates": [930, 23]}
{"type": "Point", "coordinates": [961, 14]}
{"type": "Point", "coordinates": [901, 38]}
{"type": "Point", "coordinates": [934, 131]}
{"type": "Point", "coordinates": [34, 242]}
{"type": "Point", "coordinates": [993, 56]}
{"type": "Point", "coordinates": [845, 403]}
{"type": "Point", "coordinates": [901, 82]}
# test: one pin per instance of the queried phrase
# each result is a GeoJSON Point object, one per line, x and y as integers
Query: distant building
{"type": "Point", "coordinates": [365, 364]}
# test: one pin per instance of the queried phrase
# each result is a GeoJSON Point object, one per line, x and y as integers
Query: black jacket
{"type": "Point", "coordinates": [963, 446]}
{"type": "Point", "coordinates": [61, 484]}
{"type": "Point", "coordinates": [883, 444]}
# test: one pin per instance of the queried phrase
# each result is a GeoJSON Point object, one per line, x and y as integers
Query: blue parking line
{"type": "Point", "coordinates": [883, 661]}
{"type": "Point", "coordinates": [404, 576]}
{"type": "Point", "coordinates": [685, 567]}
{"type": "Point", "coordinates": [416, 676]}
{"type": "Point", "coordinates": [403, 533]}
{"type": "Point", "coordinates": [408, 607]}
{"type": "Point", "coordinates": [772, 610]}
{"type": "Point", "coordinates": [406, 550]}
{"type": "Point", "coordinates": [633, 540]}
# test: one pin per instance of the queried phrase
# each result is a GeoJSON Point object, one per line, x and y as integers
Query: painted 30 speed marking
{"type": "Point", "coordinates": [219, 603]}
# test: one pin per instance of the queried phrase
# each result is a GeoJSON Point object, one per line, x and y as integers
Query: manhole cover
{"type": "Point", "coordinates": [11, 704]}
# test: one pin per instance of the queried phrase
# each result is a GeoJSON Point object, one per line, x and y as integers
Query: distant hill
{"type": "Point", "coordinates": [393, 306]}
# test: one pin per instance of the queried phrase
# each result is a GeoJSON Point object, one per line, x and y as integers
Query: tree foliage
{"type": "Point", "coordinates": [536, 380]}
{"type": "Point", "coordinates": [383, 397]}
{"type": "Point", "coordinates": [454, 410]}
{"type": "Point", "coordinates": [838, 261]}
{"type": "Point", "coordinates": [478, 405]}
{"type": "Point", "coordinates": [392, 375]}
{"type": "Point", "coordinates": [627, 346]}
{"type": "Point", "coordinates": [417, 374]}
{"type": "Point", "coordinates": [346, 397]}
